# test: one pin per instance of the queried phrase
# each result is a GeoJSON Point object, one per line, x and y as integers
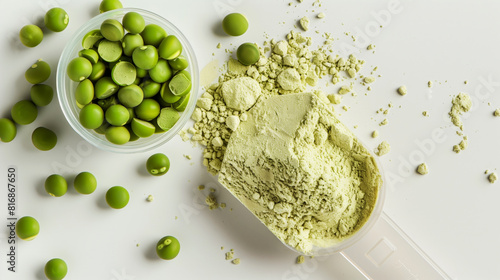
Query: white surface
{"type": "Point", "coordinates": [450, 213]}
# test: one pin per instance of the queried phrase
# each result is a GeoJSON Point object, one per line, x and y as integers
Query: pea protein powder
{"type": "Point", "coordinates": [306, 176]}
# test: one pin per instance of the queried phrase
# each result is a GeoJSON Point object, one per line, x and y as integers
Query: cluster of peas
{"type": "Point", "coordinates": [117, 197]}
{"type": "Point", "coordinates": [236, 24]}
{"type": "Point", "coordinates": [130, 85]}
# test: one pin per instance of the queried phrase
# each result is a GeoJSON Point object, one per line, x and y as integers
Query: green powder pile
{"type": "Point", "coordinates": [460, 104]}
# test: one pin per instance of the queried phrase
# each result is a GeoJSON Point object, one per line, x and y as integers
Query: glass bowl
{"type": "Point", "coordinates": [66, 87]}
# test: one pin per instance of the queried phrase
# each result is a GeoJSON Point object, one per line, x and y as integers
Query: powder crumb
{"type": "Point", "coordinates": [211, 201]}
{"type": "Point", "coordinates": [466, 82]}
{"type": "Point", "coordinates": [219, 45]}
{"type": "Point", "coordinates": [383, 148]}
{"type": "Point", "coordinates": [492, 177]}
{"type": "Point", "coordinates": [429, 84]}
{"type": "Point", "coordinates": [422, 169]}
{"type": "Point", "coordinates": [300, 259]}
{"type": "Point", "coordinates": [304, 23]}
{"type": "Point", "coordinates": [334, 98]}
{"type": "Point", "coordinates": [425, 113]}
{"type": "Point", "coordinates": [212, 190]}
{"type": "Point", "coordinates": [375, 134]}
{"type": "Point", "coordinates": [229, 255]}
{"type": "Point", "coordinates": [201, 187]}
{"type": "Point", "coordinates": [461, 146]}
{"type": "Point", "coordinates": [236, 261]}
{"type": "Point", "coordinates": [188, 157]}
{"type": "Point", "coordinates": [369, 80]}
{"type": "Point", "coordinates": [496, 113]}
{"type": "Point", "coordinates": [486, 171]}
{"type": "Point", "coordinates": [461, 103]}
{"type": "Point", "coordinates": [222, 248]}
{"type": "Point", "coordinates": [402, 90]}
{"type": "Point", "coordinates": [384, 122]}
{"type": "Point", "coordinates": [321, 15]}
{"type": "Point", "coordinates": [223, 205]}
{"type": "Point", "coordinates": [184, 135]}
{"type": "Point", "coordinates": [370, 47]}
{"type": "Point", "coordinates": [150, 198]}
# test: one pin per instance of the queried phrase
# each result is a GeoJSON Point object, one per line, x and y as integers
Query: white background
{"type": "Point", "coordinates": [451, 213]}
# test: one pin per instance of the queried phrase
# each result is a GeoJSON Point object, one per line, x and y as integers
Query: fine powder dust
{"type": "Point", "coordinates": [301, 172]}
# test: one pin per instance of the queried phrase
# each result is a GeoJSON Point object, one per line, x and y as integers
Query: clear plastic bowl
{"type": "Point", "coordinates": [66, 87]}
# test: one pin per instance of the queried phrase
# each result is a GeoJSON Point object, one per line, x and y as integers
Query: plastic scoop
{"type": "Point", "coordinates": [257, 161]}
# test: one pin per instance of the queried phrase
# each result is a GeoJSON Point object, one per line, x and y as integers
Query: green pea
{"type": "Point", "coordinates": [141, 73]}
{"type": "Point", "coordinates": [182, 103]}
{"type": "Point", "coordinates": [130, 42]}
{"type": "Point", "coordinates": [153, 34]}
{"type": "Point", "coordinates": [124, 73]}
{"type": "Point", "coordinates": [109, 51]}
{"type": "Point", "coordinates": [168, 248]}
{"type": "Point", "coordinates": [102, 129]}
{"type": "Point", "coordinates": [248, 53]}
{"type": "Point", "coordinates": [56, 19]}
{"type": "Point", "coordinates": [117, 115]}
{"type": "Point", "coordinates": [89, 54]}
{"type": "Point", "coordinates": [142, 128]}
{"type": "Point", "coordinates": [145, 57]}
{"type": "Point", "coordinates": [31, 35]}
{"type": "Point", "coordinates": [117, 197]}
{"type": "Point", "coordinates": [106, 103]}
{"type": "Point", "coordinates": [98, 71]}
{"type": "Point", "coordinates": [235, 24]}
{"type": "Point", "coordinates": [158, 164]}
{"type": "Point", "coordinates": [91, 116]}
{"type": "Point", "coordinates": [179, 63]}
{"type": "Point", "coordinates": [170, 48]}
{"type": "Point", "coordinates": [38, 73]}
{"type": "Point", "coordinates": [112, 30]}
{"type": "Point", "coordinates": [131, 96]}
{"type": "Point", "coordinates": [105, 87]}
{"type": "Point", "coordinates": [24, 112]}
{"type": "Point", "coordinates": [44, 139]}
{"type": "Point", "coordinates": [150, 88]}
{"type": "Point", "coordinates": [79, 69]}
{"type": "Point", "coordinates": [168, 118]}
{"type": "Point", "coordinates": [84, 92]}
{"type": "Point", "coordinates": [8, 130]}
{"type": "Point", "coordinates": [91, 38]}
{"type": "Point", "coordinates": [148, 109]}
{"type": "Point", "coordinates": [55, 269]}
{"type": "Point", "coordinates": [161, 72]}
{"type": "Point", "coordinates": [167, 95]}
{"type": "Point", "coordinates": [41, 94]}
{"type": "Point", "coordinates": [56, 185]}
{"type": "Point", "coordinates": [27, 228]}
{"type": "Point", "coordinates": [85, 183]}
{"type": "Point", "coordinates": [131, 113]}
{"type": "Point", "coordinates": [108, 5]}
{"type": "Point", "coordinates": [133, 22]}
{"type": "Point", "coordinates": [118, 135]}
{"type": "Point", "coordinates": [180, 84]}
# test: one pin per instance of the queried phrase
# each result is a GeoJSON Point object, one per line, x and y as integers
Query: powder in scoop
{"type": "Point", "coordinates": [306, 176]}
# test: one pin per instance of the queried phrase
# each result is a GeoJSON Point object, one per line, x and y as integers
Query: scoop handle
{"type": "Point", "coordinates": [386, 252]}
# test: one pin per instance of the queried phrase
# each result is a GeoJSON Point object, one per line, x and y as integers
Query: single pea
{"type": "Point", "coordinates": [84, 92]}
{"type": "Point", "coordinates": [79, 69]}
{"type": "Point", "coordinates": [168, 248]}
{"type": "Point", "coordinates": [158, 164]}
{"type": "Point", "coordinates": [24, 112]}
{"type": "Point", "coordinates": [89, 54]}
{"type": "Point", "coordinates": [8, 130]}
{"type": "Point", "coordinates": [182, 103]}
{"type": "Point", "coordinates": [109, 51]}
{"type": "Point", "coordinates": [117, 115]}
{"type": "Point", "coordinates": [153, 34]}
{"type": "Point", "coordinates": [142, 128]}
{"type": "Point", "coordinates": [131, 114]}
{"type": "Point", "coordinates": [235, 24]}
{"type": "Point", "coordinates": [108, 5]}
{"type": "Point", "coordinates": [105, 87]}
{"type": "Point", "coordinates": [141, 73]}
{"type": "Point", "coordinates": [41, 94]}
{"type": "Point", "coordinates": [124, 73]}
{"type": "Point", "coordinates": [98, 71]}
{"type": "Point", "coordinates": [248, 53]}
{"type": "Point", "coordinates": [56, 185]}
{"type": "Point", "coordinates": [85, 183]}
{"type": "Point", "coordinates": [179, 63]}
{"type": "Point", "coordinates": [150, 88]}
{"type": "Point", "coordinates": [118, 135]}
{"type": "Point", "coordinates": [148, 109]}
{"type": "Point", "coordinates": [161, 72]}
{"type": "Point", "coordinates": [168, 118]}
{"type": "Point", "coordinates": [133, 22]}
{"type": "Point", "coordinates": [38, 73]}
{"type": "Point", "coordinates": [180, 84]}
{"type": "Point", "coordinates": [107, 102]}
{"type": "Point", "coordinates": [131, 96]}
{"type": "Point", "coordinates": [170, 47]}
{"type": "Point", "coordinates": [55, 269]}
{"type": "Point", "coordinates": [102, 129]}
{"type": "Point", "coordinates": [130, 42]}
{"type": "Point", "coordinates": [91, 38]}
{"type": "Point", "coordinates": [27, 228]}
{"type": "Point", "coordinates": [145, 57]}
{"type": "Point", "coordinates": [91, 116]}
{"type": "Point", "coordinates": [44, 139]}
{"type": "Point", "coordinates": [167, 95]}
{"type": "Point", "coordinates": [112, 30]}
{"type": "Point", "coordinates": [56, 19]}
{"type": "Point", "coordinates": [133, 136]}
{"type": "Point", "coordinates": [31, 35]}
{"type": "Point", "coordinates": [117, 197]}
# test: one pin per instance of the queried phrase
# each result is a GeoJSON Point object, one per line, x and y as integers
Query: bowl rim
{"type": "Point", "coordinates": [69, 110]}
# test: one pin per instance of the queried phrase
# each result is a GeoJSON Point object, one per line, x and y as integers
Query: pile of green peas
{"type": "Point", "coordinates": [132, 79]}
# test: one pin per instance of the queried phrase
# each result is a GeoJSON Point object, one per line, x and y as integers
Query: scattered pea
{"type": "Point", "coordinates": [41, 94]}
{"type": "Point", "coordinates": [158, 164]}
{"type": "Point", "coordinates": [27, 228]}
{"type": "Point", "coordinates": [38, 73]}
{"type": "Point", "coordinates": [247, 54]}
{"type": "Point", "coordinates": [24, 112]}
{"type": "Point", "coordinates": [55, 269]}
{"type": "Point", "coordinates": [44, 139]}
{"type": "Point", "coordinates": [153, 34]}
{"type": "Point", "coordinates": [117, 197]}
{"type": "Point", "coordinates": [85, 183]}
{"type": "Point", "coordinates": [31, 35]}
{"type": "Point", "coordinates": [133, 22]}
{"type": "Point", "coordinates": [79, 69]}
{"type": "Point", "coordinates": [56, 185]}
{"type": "Point", "coordinates": [168, 248]}
{"type": "Point", "coordinates": [8, 130]}
{"type": "Point", "coordinates": [108, 5]}
{"type": "Point", "coordinates": [235, 24]}
{"type": "Point", "coordinates": [56, 19]}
